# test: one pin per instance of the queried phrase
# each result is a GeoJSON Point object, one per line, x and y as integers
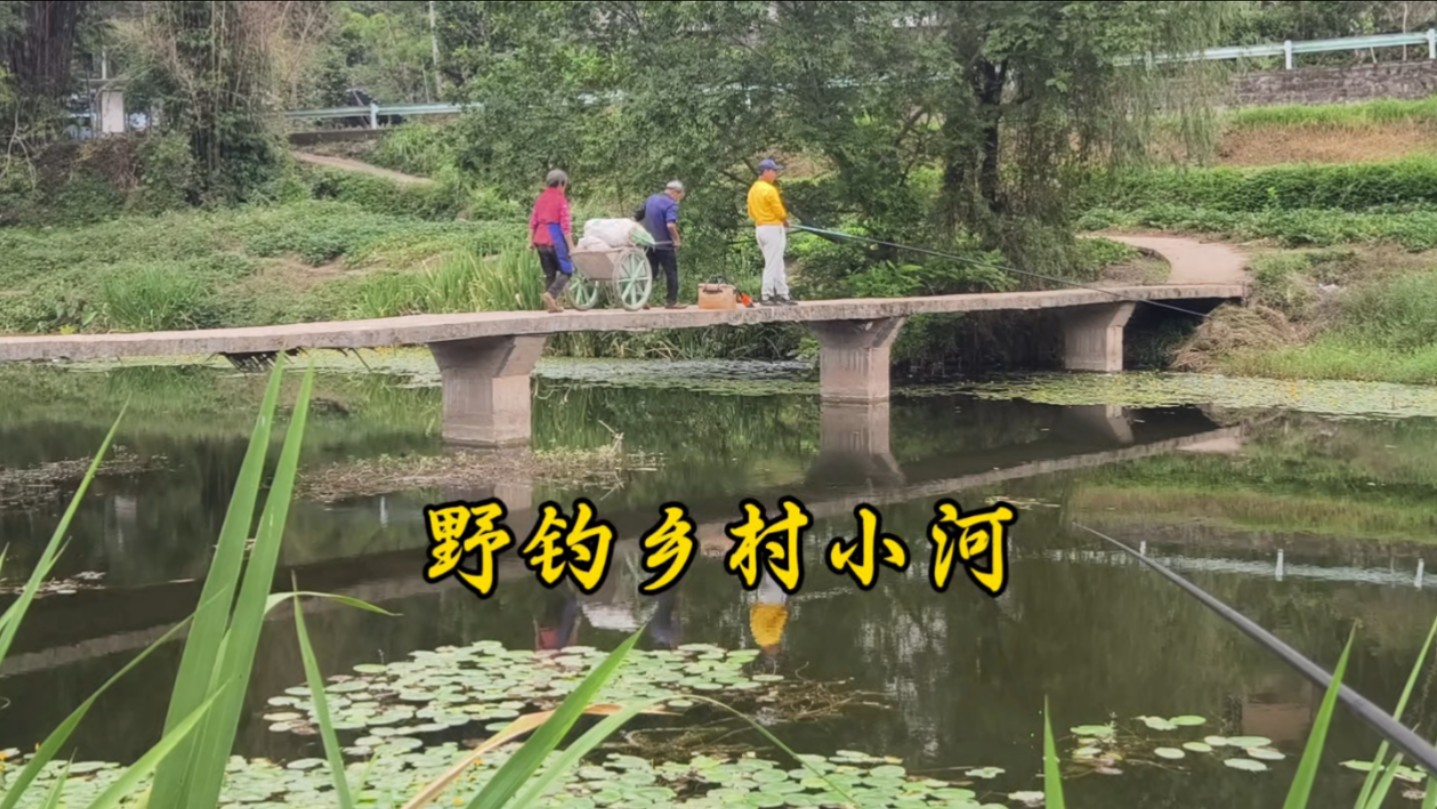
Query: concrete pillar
{"type": "Point", "coordinates": [486, 388]}
{"type": "Point", "coordinates": [853, 445]}
{"type": "Point", "coordinates": [853, 358]}
{"type": "Point", "coordinates": [1093, 336]}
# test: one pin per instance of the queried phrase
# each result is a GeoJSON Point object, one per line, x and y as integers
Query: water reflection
{"type": "Point", "coordinates": [1348, 504]}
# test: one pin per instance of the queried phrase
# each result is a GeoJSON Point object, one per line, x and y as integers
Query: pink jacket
{"type": "Point", "coordinates": [552, 207]}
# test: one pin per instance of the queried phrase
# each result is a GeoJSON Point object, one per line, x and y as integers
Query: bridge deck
{"type": "Point", "coordinates": [422, 329]}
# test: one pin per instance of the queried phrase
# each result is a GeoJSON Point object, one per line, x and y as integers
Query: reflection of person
{"type": "Point", "coordinates": [768, 615]}
{"type": "Point", "coordinates": [665, 627]}
{"type": "Point", "coordinates": [559, 626]}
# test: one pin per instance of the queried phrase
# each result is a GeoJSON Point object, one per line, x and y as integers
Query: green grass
{"type": "Point", "coordinates": [1367, 113]}
{"type": "Point", "coordinates": [1353, 186]}
{"type": "Point", "coordinates": [1302, 227]}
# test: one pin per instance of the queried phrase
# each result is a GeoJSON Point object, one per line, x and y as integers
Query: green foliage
{"type": "Point", "coordinates": [158, 297]}
{"type": "Point", "coordinates": [417, 148]}
{"type": "Point", "coordinates": [376, 194]}
{"type": "Point", "coordinates": [1350, 187]}
{"type": "Point", "coordinates": [1360, 114]}
{"type": "Point", "coordinates": [1398, 314]}
{"type": "Point", "coordinates": [166, 174]}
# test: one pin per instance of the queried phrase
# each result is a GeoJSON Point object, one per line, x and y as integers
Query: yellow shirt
{"type": "Point", "coordinates": [765, 207]}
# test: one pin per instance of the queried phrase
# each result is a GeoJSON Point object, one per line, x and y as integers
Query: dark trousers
{"type": "Point", "coordinates": [555, 279]}
{"type": "Point", "coordinates": [666, 260]}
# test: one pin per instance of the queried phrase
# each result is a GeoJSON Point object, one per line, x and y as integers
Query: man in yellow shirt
{"type": "Point", "coordinates": [770, 219]}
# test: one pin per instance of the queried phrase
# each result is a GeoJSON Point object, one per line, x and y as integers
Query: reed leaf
{"type": "Point", "coordinates": [777, 742]}
{"type": "Point", "coordinates": [1052, 777]}
{"type": "Point", "coordinates": [141, 769]}
{"type": "Point", "coordinates": [61, 734]}
{"type": "Point", "coordinates": [202, 647]}
{"type": "Point", "coordinates": [1379, 793]}
{"type": "Point", "coordinates": [207, 767]}
{"type": "Point", "coordinates": [321, 709]}
{"type": "Point", "coordinates": [1301, 789]}
{"type": "Point", "coordinates": [14, 615]}
{"type": "Point", "coordinates": [529, 757]}
{"type": "Point", "coordinates": [595, 736]}
{"type": "Point", "coordinates": [520, 726]}
{"type": "Point", "coordinates": [52, 800]}
{"type": "Point", "coordinates": [1370, 780]}
{"type": "Point", "coordinates": [1429, 801]}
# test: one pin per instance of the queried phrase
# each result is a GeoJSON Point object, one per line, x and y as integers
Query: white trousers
{"type": "Point", "coordinates": [773, 240]}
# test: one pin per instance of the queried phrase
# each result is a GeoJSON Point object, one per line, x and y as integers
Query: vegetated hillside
{"type": "Point", "coordinates": [1370, 131]}
{"type": "Point", "coordinates": [1345, 267]}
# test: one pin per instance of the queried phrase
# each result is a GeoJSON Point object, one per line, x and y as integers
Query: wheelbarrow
{"type": "Point", "coordinates": [623, 271]}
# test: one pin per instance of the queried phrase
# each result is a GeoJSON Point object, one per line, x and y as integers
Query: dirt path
{"type": "Point", "coordinates": [1192, 261]}
{"type": "Point", "coordinates": [345, 164]}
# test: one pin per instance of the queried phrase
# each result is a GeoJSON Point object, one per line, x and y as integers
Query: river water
{"type": "Point", "coordinates": [1305, 522]}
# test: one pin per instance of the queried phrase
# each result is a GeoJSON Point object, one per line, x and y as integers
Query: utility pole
{"type": "Point", "coordinates": [434, 44]}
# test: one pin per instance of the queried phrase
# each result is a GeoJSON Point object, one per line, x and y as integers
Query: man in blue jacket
{"type": "Point", "coordinates": [661, 219]}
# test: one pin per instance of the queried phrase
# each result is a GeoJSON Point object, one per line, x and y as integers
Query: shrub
{"type": "Point", "coordinates": [1351, 187]}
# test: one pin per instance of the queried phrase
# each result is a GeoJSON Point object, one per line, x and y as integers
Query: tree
{"type": "Point", "coordinates": [37, 44]}
{"type": "Point", "coordinates": [960, 120]}
{"type": "Point", "coordinates": [212, 65]}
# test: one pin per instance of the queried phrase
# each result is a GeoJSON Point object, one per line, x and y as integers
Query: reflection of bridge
{"type": "Point", "coordinates": [96, 623]}
{"type": "Point", "coordinates": [485, 358]}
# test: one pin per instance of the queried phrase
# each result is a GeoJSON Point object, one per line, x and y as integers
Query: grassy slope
{"type": "Point", "coordinates": [1339, 204]}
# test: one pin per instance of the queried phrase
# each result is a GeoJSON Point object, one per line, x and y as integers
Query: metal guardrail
{"type": "Point", "coordinates": [1287, 49]}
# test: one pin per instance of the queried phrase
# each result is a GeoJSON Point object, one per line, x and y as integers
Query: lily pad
{"type": "Point", "coordinates": [1266, 754]}
{"type": "Point", "coordinates": [1245, 764]}
{"type": "Point", "coordinates": [1197, 747]}
{"type": "Point", "coordinates": [1168, 752]}
{"type": "Point", "coordinates": [1027, 798]}
{"type": "Point", "coordinates": [1187, 721]}
{"type": "Point", "coordinates": [1157, 723]}
{"type": "Point", "coordinates": [1099, 731]}
{"type": "Point", "coordinates": [985, 772]}
{"type": "Point", "coordinates": [1249, 741]}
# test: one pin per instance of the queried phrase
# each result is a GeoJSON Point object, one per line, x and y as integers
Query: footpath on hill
{"type": "Point", "coordinates": [1192, 261]}
{"type": "Point", "coordinates": [345, 164]}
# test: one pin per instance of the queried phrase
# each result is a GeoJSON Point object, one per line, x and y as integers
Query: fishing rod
{"type": "Point", "coordinates": [840, 236]}
{"type": "Point", "coordinates": [1384, 723]}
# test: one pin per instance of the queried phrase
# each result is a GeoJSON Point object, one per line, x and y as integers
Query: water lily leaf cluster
{"type": "Point", "coordinates": [1102, 747]}
{"type": "Point", "coordinates": [394, 705]}
{"type": "Point", "coordinates": [617, 781]}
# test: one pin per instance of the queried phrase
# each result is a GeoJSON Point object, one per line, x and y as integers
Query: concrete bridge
{"type": "Point", "coordinates": [485, 358]}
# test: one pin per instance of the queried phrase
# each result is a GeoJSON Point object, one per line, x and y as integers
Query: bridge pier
{"type": "Point", "coordinates": [853, 445]}
{"type": "Point", "coordinates": [853, 358]}
{"type": "Point", "coordinates": [1093, 336]}
{"type": "Point", "coordinates": [487, 401]}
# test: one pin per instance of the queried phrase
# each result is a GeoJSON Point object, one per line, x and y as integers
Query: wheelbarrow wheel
{"type": "Point", "coordinates": [633, 282]}
{"type": "Point", "coordinates": [583, 293]}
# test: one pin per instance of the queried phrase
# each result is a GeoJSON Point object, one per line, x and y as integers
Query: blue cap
{"type": "Point", "coordinates": [768, 163]}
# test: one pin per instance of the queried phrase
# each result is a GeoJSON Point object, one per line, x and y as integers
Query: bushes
{"type": "Point", "coordinates": [1349, 187]}
{"type": "Point", "coordinates": [376, 194]}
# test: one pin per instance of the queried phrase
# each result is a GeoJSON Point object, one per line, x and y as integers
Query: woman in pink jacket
{"type": "Point", "coordinates": [551, 234]}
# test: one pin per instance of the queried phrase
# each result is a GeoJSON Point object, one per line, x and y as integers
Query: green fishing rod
{"type": "Point", "coordinates": [1387, 726]}
{"type": "Point", "coordinates": [839, 236]}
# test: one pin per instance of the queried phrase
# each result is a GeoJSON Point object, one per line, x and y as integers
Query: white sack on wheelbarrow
{"type": "Point", "coordinates": [617, 232]}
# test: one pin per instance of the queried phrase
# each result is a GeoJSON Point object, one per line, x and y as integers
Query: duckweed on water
{"type": "Point", "coordinates": [1141, 390]}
